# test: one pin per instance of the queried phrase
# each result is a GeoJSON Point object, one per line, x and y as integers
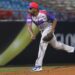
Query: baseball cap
{"type": "Point", "coordinates": [33, 5]}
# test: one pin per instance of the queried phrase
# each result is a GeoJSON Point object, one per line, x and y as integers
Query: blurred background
{"type": "Point", "coordinates": [16, 9]}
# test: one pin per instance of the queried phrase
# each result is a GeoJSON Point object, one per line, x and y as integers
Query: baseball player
{"type": "Point", "coordinates": [42, 19]}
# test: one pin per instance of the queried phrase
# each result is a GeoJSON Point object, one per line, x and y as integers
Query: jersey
{"type": "Point", "coordinates": [42, 20]}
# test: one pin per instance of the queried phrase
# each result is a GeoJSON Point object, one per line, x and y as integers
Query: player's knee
{"type": "Point", "coordinates": [57, 45]}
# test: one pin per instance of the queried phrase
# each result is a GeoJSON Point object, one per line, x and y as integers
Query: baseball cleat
{"type": "Point", "coordinates": [37, 68]}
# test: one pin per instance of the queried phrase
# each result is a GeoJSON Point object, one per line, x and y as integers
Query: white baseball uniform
{"type": "Point", "coordinates": [45, 27]}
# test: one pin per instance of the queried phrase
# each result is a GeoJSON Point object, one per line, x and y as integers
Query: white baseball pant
{"type": "Point", "coordinates": [54, 43]}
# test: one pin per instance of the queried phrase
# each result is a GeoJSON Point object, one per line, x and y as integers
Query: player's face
{"type": "Point", "coordinates": [32, 10]}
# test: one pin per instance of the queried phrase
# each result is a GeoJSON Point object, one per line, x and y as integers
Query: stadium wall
{"type": "Point", "coordinates": [65, 32]}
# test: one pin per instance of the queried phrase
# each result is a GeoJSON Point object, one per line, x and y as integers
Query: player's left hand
{"type": "Point", "coordinates": [48, 37]}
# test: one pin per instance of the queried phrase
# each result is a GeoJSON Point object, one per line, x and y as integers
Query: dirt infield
{"type": "Point", "coordinates": [47, 70]}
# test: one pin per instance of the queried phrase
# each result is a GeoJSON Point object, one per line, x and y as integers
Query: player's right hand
{"type": "Point", "coordinates": [33, 37]}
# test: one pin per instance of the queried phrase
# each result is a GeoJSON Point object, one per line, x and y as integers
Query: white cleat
{"type": "Point", "coordinates": [37, 68]}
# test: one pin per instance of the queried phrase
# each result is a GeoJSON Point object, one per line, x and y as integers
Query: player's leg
{"type": "Point", "coordinates": [41, 53]}
{"type": "Point", "coordinates": [42, 49]}
{"type": "Point", "coordinates": [61, 46]}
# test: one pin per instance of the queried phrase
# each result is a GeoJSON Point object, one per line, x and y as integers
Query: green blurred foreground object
{"type": "Point", "coordinates": [18, 45]}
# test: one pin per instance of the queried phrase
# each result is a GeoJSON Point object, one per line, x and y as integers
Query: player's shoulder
{"type": "Point", "coordinates": [43, 12]}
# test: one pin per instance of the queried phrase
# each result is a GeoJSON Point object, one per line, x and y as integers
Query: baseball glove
{"type": "Point", "coordinates": [48, 37]}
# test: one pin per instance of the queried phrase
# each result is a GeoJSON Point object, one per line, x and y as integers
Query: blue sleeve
{"type": "Point", "coordinates": [51, 16]}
